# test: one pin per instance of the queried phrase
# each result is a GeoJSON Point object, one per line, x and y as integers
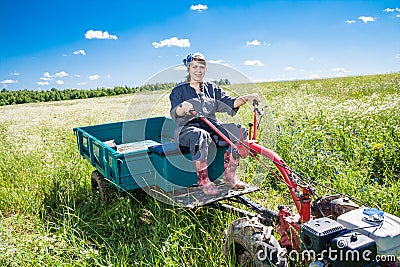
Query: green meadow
{"type": "Point", "coordinates": [341, 135]}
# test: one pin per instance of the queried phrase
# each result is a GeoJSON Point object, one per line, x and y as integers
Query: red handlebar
{"type": "Point", "coordinates": [215, 129]}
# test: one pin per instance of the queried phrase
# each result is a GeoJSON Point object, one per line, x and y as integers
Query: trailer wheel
{"type": "Point", "coordinates": [250, 243]}
{"type": "Point", "coordinates": [101, 186]}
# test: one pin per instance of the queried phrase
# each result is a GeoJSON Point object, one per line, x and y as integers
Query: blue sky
{"type": "Point", "coordinates": [89, 44]}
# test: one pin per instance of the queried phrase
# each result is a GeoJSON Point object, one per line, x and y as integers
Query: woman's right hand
{"type": "Point", "coordinates": [184, 108]}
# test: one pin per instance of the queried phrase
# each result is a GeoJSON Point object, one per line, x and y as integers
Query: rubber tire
{"type": "Point", "coordinates": [246, 242]}
{"type": "Point", "coordinates": [101, 186]}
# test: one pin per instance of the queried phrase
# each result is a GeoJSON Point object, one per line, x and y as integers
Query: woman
{"type": "Point", "coordinates": [206, 98]}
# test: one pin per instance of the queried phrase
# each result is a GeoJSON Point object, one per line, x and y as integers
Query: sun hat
{"type": "Point", "coordinates": [190, 58]}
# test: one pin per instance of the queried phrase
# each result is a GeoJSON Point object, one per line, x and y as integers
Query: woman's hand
{"type": "Point", "coordinates": [246, 98]}
{"type": "Point", "coordinates": [252, 97]}
{"type": "Point", "coordinates": [184, 108]}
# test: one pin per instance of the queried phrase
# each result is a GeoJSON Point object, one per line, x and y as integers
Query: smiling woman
{"type": "Point", "coordinates": [205, 98]}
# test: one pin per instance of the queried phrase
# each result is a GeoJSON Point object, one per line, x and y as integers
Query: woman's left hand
{"type": "Point", "coordinates": [246, 98]}
{"type": "Point", "coordinates": [252, 97]}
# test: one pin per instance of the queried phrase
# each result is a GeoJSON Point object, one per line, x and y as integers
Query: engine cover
{"type": "Point", "coordinates": [316, 234]}
{"type": "Point", "coordinates": [382, 227]}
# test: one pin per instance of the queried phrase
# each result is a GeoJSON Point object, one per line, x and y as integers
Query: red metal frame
{"type": "Point", "coordinates": [289, 227]}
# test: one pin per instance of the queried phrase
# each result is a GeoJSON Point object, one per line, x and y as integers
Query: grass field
{"type": "Point", "coordinates": [343, 133]}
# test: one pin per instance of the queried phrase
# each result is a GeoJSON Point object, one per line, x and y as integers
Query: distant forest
{"type": "Point", "coordinates": [29, 96]}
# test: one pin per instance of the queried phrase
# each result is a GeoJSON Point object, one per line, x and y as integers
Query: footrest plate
{"type": "Point", "coordinates": [192, 197]}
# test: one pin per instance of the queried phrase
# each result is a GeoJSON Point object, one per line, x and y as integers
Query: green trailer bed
{"type": "Point", "coordinates": [143, 154]}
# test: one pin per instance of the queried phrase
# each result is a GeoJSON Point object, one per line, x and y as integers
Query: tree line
{"type": "Point", "coordinates": [29, 96]}
{"type": "Point", "coordinates": [14, 97]}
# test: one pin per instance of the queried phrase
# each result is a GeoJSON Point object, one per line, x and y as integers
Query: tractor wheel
{"type": "Point", "coordinates": [250, 243]}
{"type": "Point", "coordinates": [101, 186]}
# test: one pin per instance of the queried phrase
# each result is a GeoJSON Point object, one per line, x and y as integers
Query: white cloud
{"type": "Point", "coordinates": [199, 7]}
{"type": "Point", "coordinates": [340, 74]}
{"type": "Point", "coordinates": [350, 21]}
{"type": "Point", "coordinates": [340, 70]}
{"type": "Point", "coordinates": [91, 34]}
{"type": "Point", "coordinates": [47, 75]}
{"type": "Point", "coordinates": [8, 81]}
{"type": "Point", "coordinates": [394, 11]}
{"type": "Point", "coordinates": [288, 68]}
{"type": "Point", "coordinates": [255, 43]}
{"type": "Point", "coordinates": [83, 83]}
{"type": "Point", "coordinates": [59, 82]}
{"type": "Point", "coordinates": [314, 76]}
{"type": "Point", "coordinates": [42, 83]}
{"type": "Point", "coordinates": [61, 74]}
{"type": "Point", "coordinates": [94, 77]}
{"type": "Point", "coordinates": [366, 19]}
{"type": "Point", "coordinates": [174, 41]}
{"type": "Point", "coordinates": [215, 61]}
{"type": "Point", "coordinates": [387, 10]}
{"type": "Point", "coordinates": [180, 68]}
{"type": "Point", "coordinates": [80, 52]}
{"type": "Point", "coordinates": [14, 73]}
{"type": "Point", "coordinates": [219, 61]}
{"type": "Point", "coordinates": [255, 62]}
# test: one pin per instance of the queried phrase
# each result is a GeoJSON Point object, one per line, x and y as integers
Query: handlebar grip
{"type": "Point", "coordinates": [255, 105]}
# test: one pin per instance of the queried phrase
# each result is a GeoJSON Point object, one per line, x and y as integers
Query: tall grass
{"type": "Point", "coordinates": [342, 133]}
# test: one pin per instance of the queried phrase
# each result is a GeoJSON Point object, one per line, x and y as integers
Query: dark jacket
{"type": "Point", "coordinates": [212, 99]}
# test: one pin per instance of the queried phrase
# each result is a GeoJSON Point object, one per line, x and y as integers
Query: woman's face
{"type": "Point", "coordinates": [197, 70]}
